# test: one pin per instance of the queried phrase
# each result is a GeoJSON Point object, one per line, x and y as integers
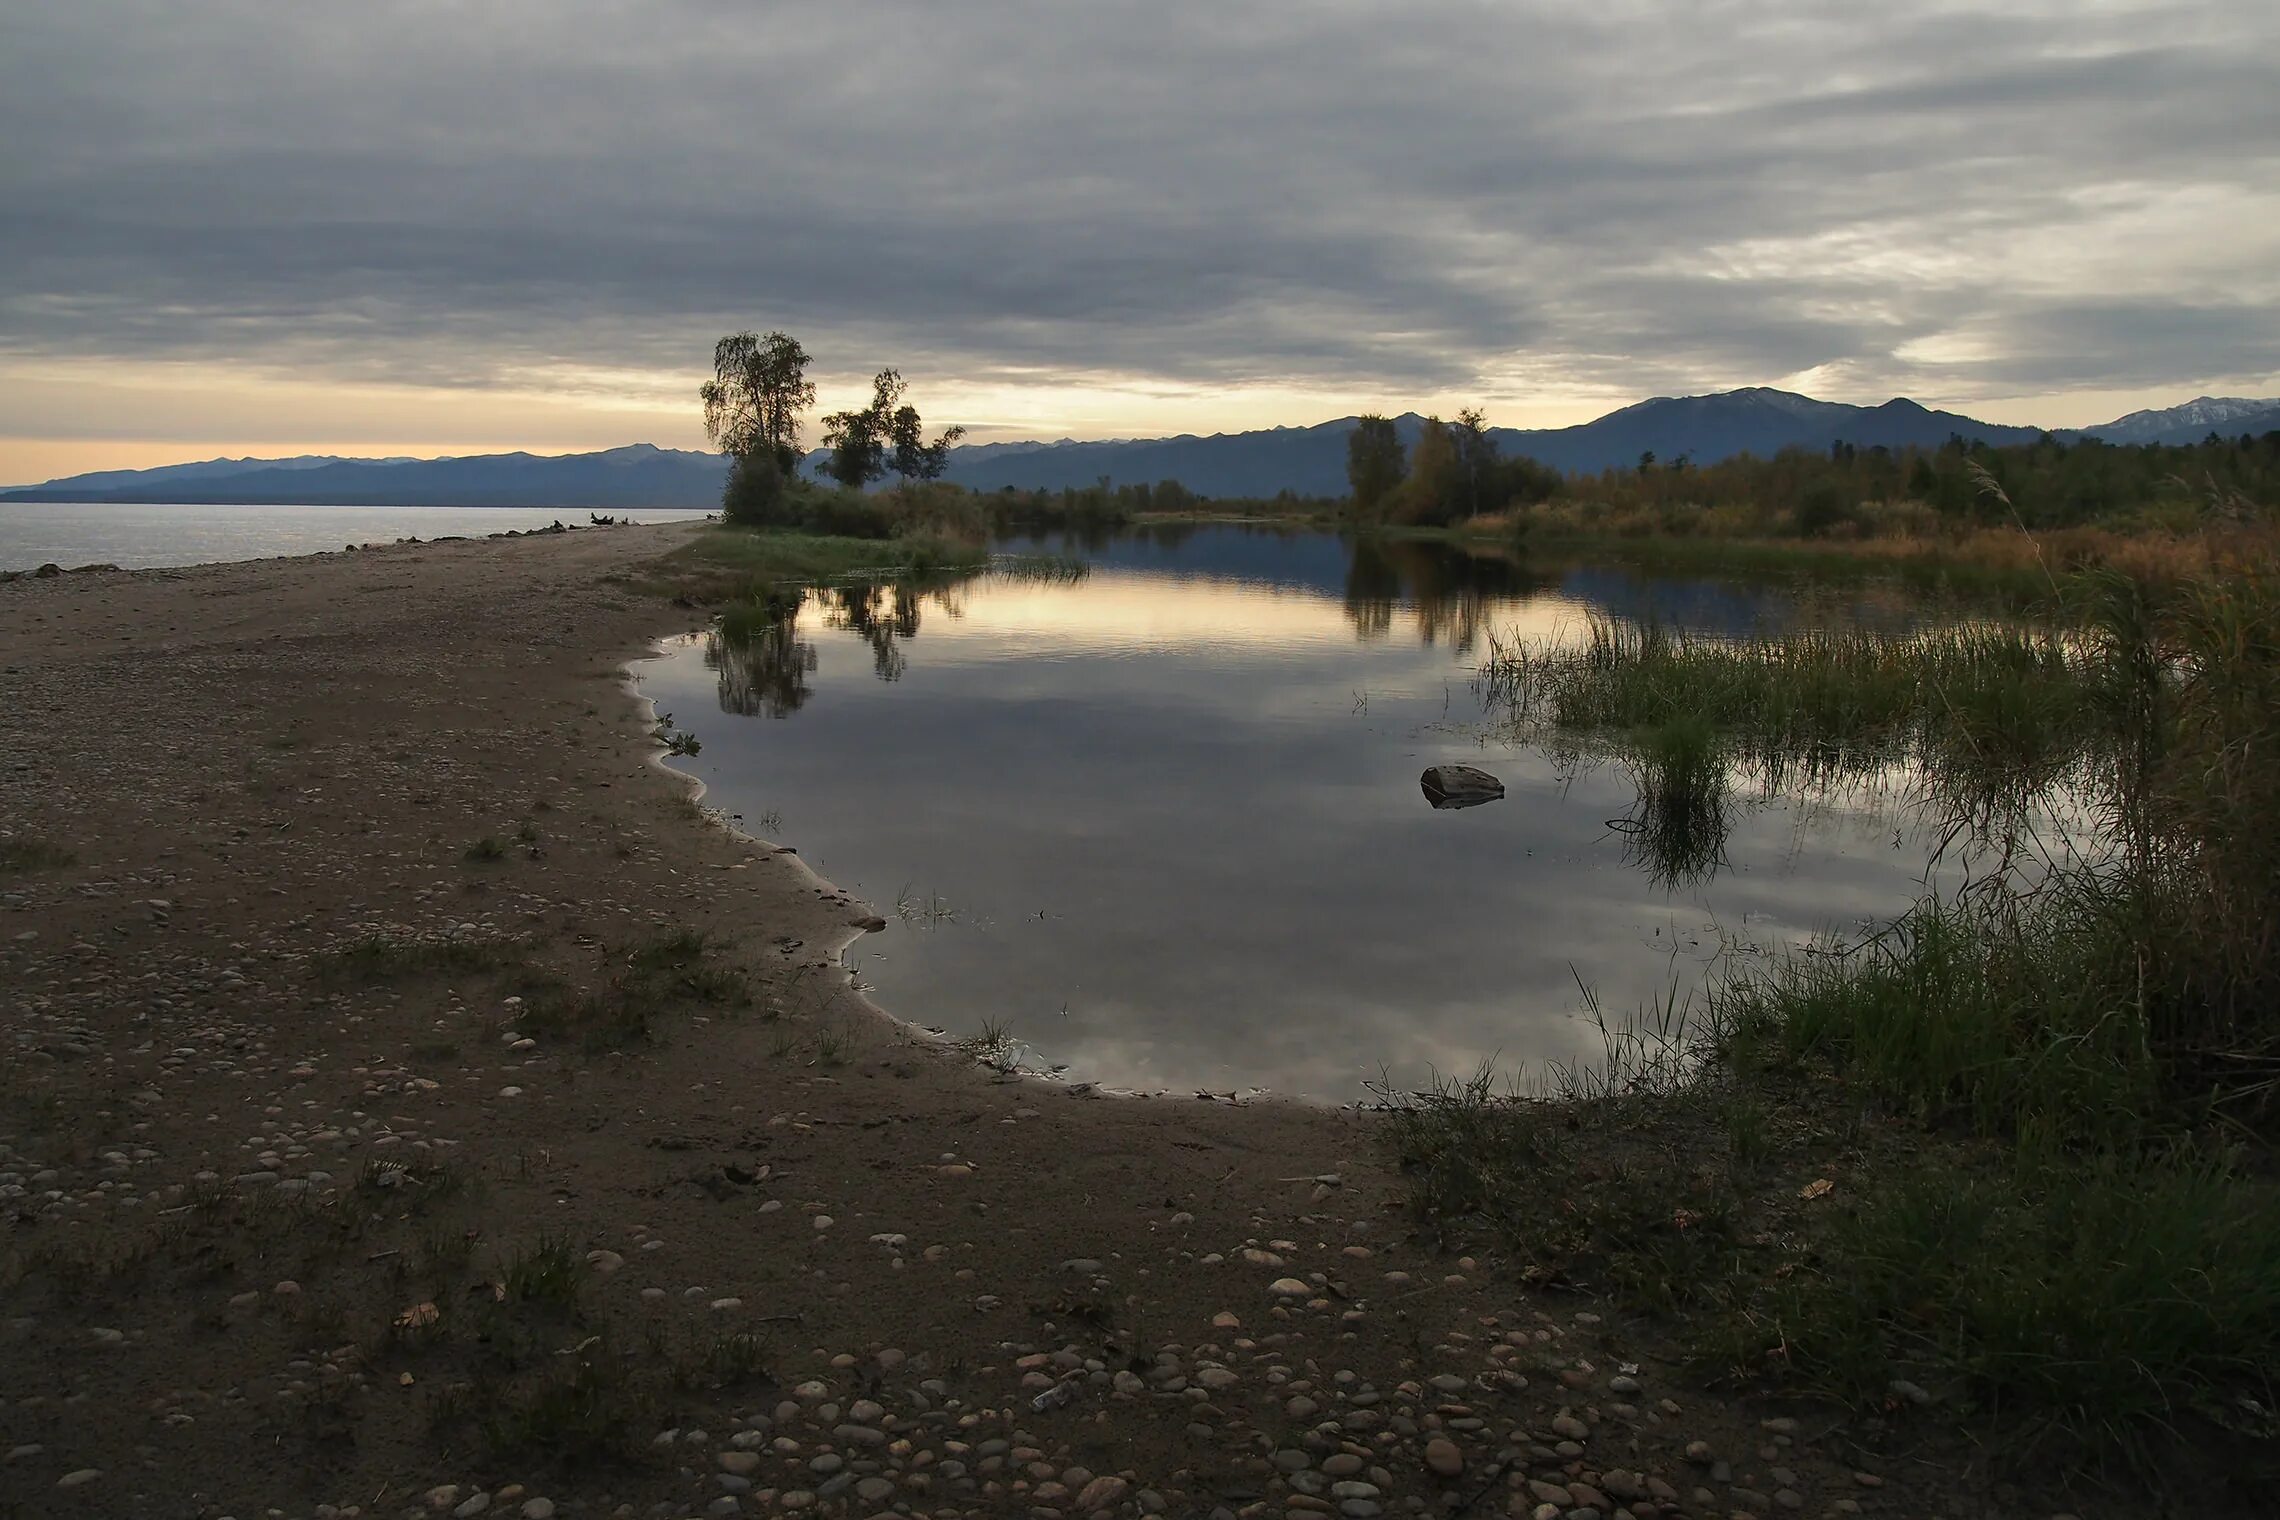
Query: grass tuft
{"type": "Point", "coordinates": [549, 1272]}
{"type": "Point", "coordinates": [21, 856]}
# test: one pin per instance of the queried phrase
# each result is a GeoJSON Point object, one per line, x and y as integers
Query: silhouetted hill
{"type": "Point", "coordinates": [639, 475]}
{"type": "Point", "coordinates": [1310, 461]}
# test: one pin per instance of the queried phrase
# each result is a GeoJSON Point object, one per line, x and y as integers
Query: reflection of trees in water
{"type": "Point", "coordinates": [887, 616]}
{"type": "Point", "coordinates": [1448, 594]}
{"type": "Point", "coordinates": [881, 616]}
{"type": "Point", "coordinates": [762, 661]}
{"type": "Point", "coordinates": [764, 664]}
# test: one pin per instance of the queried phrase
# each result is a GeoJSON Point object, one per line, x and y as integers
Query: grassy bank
{"type": "Point", "coordinates": [725, 565]}
{"type": "Point", "coordinates": [1985, 563]}
{"type": "Point", "coordinates": [2008, 1163]}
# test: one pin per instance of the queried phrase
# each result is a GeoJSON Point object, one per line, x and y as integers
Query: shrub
{"type": "Point", "coordinates": [755, 495]}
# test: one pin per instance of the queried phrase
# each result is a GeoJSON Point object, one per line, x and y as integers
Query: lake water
{"type": "Point", "coordinates": [1164, 824]}
{"type": "Point", "coordinates": [143, 536]}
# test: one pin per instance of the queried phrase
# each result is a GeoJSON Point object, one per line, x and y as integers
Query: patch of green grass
{"type": "Point", "coordinates": [2104, 1297]}
{"type": "Point", "coordinates": [724, 565]}
{"type": "Point", "coordinates": [2005, 1032]}
{"type": "Point", "coordinates": [621, 1016]}
{"type": "Point", "coordinates": [1568, 1201]}
{"type": "Point", "coordinates": [676, 951]}
{"type": "Point", "coordinates": [486, 849]}
{"type": "Point", "coordinates": [831, 1045]}
{"type": "Point", "coordinates": [394, 957]}
{"type": "Point", "coordinates": [729, 1360]}
{"type": "Point", "coordinates": [648, 984]}
{"type": "Point", "coordinates": [1935, 574]}
{"type": "Point", "coordinates": [20, 856]}
{"type": "Point", "coordinates": [580, 1410]}
{"type": "Point", "coordinates": [550, 1272]}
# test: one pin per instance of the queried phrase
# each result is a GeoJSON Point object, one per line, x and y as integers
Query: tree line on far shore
{"type": "Point", "coordinates": [1454, 474]}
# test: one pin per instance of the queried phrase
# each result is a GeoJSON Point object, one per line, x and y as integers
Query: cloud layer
{"type": "Point", "coordinates": [1506, 199]}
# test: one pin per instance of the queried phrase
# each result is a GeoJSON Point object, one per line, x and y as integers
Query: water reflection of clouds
{"type": "Point", "coordinates": [1240, 882]}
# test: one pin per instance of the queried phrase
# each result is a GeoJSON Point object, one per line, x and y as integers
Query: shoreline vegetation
{"type": "Point", "coordinates": [2005, 1164]}
{"type": "Point", "coordinates": [2011, 1156]}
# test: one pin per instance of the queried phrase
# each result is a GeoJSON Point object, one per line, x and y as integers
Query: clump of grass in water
{"type": "Point", "coordinates": [1039, 569]}
{"type": "Point", "coordinates": [1986, 711]}
{"type": "Point", "coordinates": [931, 911]}
{"type": "Point", "coordinates": [1678, 831]}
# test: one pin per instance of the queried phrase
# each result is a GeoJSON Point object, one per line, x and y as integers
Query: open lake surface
{"type": "Point", "coordinates": [144, 536]}
{"type": "Point", "coordinates": [1163, 823]}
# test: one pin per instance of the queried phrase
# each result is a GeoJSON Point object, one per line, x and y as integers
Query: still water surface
{"type": "Point", "coordinates": [143, 536]}
{"type": "Point", "coordinates": [1165, 823]}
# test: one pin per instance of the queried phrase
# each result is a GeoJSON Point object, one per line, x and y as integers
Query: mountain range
{"type": "Point", "coordinates": [1310, 461]}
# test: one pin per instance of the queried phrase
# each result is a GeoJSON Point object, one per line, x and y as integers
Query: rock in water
{"type": "Point", "coordinates": [1460, 786]}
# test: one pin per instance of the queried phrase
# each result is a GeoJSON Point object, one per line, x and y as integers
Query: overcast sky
{"type": "Point", "coordinates": [426, 227]}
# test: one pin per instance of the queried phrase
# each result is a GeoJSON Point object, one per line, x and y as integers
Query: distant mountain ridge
{"type": "Point", "coordinates": [1310, 461]}
{"type": "Point", "coordinates": [2228, 416]}
{"type": "Point", "coordinates": [637, 475]}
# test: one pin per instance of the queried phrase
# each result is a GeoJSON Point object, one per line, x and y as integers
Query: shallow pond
{"type": "Point", "coordinates": [1164, 823]}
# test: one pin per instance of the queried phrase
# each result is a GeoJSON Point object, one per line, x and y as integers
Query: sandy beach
{"type": "Point", "coordinates": [414, 1105]}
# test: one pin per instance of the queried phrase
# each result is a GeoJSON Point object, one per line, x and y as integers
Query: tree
{"type": "Point", "coordinates": [1433, 495]}
{"type": "Point", "coordinates": [754, 400]}
{"type": "Point", "coordinates": [754, 496]}
{"type": "Point", "coordinates": [858, 440]}
{"type": "Point", "coordinates": [914, 457]}
{"type": "Point", "coordinates": [1375, 462]}
{"type": "Point", "coordinates": [858, 455]}
{"type": "Point", "coordinates": [1476, 456]}
{"type": "Point", "coordinates": [885, 435]}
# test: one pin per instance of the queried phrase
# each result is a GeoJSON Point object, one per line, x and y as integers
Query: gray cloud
{"type": "Point", "coordinates": [1623, 197]}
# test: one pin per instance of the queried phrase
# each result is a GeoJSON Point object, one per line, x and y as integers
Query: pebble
{"type": "Point", "coordinates": [1443, 1457]}
{"type": "Point", "coordinates": [1101, 1493]}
